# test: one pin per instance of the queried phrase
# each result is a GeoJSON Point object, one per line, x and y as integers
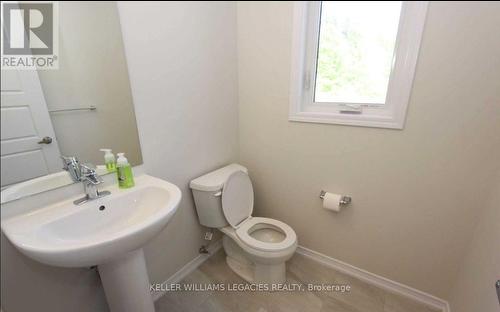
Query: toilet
{"type": "Point", "coordinates": [256, 248]}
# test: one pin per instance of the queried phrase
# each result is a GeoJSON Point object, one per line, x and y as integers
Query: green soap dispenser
{"type": "Point", "coordinates": [124, 172]}
{"type": "Point", "coordinates": [109, 159]}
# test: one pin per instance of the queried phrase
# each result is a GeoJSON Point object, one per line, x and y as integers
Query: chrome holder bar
{"type": "Point", "coordinates": [90, 108]}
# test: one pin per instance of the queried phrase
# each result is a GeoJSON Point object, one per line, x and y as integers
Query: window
{"type": "Point", "coordinates": [353, 62]}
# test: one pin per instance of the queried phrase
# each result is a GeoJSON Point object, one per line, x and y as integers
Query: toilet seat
{"type": "Point", "coordinates": [237, 205]}
{"type": "Point", "coordinates": [243, 234]}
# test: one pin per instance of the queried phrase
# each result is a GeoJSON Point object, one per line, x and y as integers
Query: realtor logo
{"type": "Point", "coordinates": [29, 35]}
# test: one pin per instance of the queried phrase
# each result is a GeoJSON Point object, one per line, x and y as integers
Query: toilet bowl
{"type": "Point", "coordinates": [256, 248]}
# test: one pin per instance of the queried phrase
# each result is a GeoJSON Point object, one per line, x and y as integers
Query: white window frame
{"type": "Point", "coordinates": [392, 114]}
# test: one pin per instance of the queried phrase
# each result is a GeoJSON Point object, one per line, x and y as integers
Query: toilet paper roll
{"type": "Point", "coordinates": [332, 202]}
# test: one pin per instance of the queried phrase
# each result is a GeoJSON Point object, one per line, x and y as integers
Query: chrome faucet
{"type": "Point", "coordinates": [72, 165]}
{"type": "Point", "coordinates": [87, 175]}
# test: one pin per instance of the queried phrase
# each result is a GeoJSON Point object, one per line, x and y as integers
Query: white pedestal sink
{"type": "Point", "coordinates": [107, 232]}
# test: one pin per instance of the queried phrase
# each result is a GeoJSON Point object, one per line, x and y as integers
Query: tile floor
{"type": "Point", "coordinates": [300, 270]}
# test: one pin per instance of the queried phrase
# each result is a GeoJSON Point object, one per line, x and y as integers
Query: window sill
{"type": "Point", "coordinates": [361, 120]}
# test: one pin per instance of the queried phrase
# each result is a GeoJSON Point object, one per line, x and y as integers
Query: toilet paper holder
{"type": "Point", "coordinates": [344, 200]}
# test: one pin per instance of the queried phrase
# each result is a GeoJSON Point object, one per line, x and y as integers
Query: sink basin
{"type": "Point", "coordinates": [108, 232]}
{"type": "Point", "coordinates": [66, 235]}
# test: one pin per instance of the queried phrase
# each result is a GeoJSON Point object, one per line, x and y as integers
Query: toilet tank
{"type": "Point", "coordinates": [207, 191]}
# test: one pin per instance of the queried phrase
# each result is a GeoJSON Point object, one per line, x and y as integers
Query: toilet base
{"type": "Point", "coordinates": [252, 271]}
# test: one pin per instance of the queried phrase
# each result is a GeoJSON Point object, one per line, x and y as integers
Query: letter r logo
{"type": "Point", "coordinates": [28, 28]}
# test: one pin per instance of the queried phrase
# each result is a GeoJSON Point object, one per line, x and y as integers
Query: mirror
{"type": "Point", "coordinates": [76, 110]}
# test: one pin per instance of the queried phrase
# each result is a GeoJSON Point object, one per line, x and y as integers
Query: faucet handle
{"type": "Point", "coordinates": [69, 160]}
{"type": "Point", "coordinates": [88, 173]}
{"type": "Point", "coordinates": [72, 165]}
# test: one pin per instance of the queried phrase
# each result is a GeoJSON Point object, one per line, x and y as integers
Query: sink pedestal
{"type": "Point", "coordinates": [126, 283]}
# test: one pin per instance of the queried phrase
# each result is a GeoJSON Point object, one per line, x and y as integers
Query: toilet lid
{"type": "Point", "coordinates": [237, 198]}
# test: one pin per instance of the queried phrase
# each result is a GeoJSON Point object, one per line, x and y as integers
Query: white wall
{"type": "Point", "coordinates": [417, 193]}
{"type": "Point", "coordinates": [182, 66]}
{"type": "Point", "coordinates": [474, 289]}
{"type": "Point", "coordinates": [182, 63]}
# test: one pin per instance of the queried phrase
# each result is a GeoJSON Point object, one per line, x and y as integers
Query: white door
{"type": "Point", "coordinates": [25, 122]}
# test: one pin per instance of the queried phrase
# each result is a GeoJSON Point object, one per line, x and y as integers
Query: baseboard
{"type": "Point", "coordinates": [335, 264]}
{"type": "Point", "coordinates": [188, 268]}
{"type": "Point", "coordinates": [376, 280]}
